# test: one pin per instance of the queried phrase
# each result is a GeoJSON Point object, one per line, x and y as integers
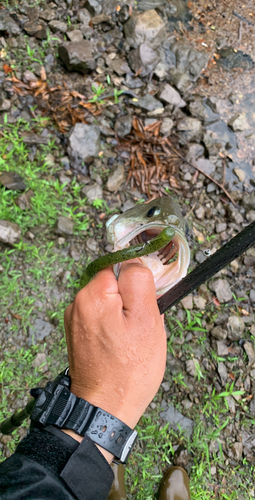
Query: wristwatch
{"type": "Point", "coordinates": [56, 405]}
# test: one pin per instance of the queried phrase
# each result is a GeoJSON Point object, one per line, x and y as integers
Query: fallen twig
{"type": "Point", "coordinates": [221, 186]}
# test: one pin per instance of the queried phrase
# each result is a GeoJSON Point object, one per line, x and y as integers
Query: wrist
{"type": "Point", "coordinates": [107, 455]}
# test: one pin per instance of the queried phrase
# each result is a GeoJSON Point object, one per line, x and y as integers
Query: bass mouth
{"type": "Point", "coordinates": [165, 254]}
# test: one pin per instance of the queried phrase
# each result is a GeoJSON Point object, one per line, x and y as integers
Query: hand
{"type": "Point", "coordinates": [117, 342]}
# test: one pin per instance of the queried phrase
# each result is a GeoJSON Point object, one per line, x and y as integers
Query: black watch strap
{"type": "Point", "coordinates": [56, 405]}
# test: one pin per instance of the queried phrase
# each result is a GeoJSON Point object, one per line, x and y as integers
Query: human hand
{"type": "Point", "coordinates": [117, 342]}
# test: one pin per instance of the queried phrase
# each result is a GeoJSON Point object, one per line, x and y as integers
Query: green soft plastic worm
{"type": "Point", "coordinates": [132, 252]}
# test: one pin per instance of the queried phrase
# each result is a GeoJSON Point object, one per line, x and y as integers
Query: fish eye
{"type": "Point", "coordinates": [154, 211]}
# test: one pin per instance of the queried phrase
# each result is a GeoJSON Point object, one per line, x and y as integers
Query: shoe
{"type": "Point", "coordinates": [174, 485]}
{"type": "Point", "coordinates": [118, 491]}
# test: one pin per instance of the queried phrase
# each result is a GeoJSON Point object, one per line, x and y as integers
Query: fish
{"type": "Point", "coordinates": [144, 222]}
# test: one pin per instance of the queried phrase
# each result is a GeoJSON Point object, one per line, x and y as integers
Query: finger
{"type": "Point", "coordinates": [136, 287]}
{"type": "Point", "coordinates": [105, 280]}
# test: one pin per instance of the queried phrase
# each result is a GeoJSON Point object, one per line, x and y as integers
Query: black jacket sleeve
{"type": "Point", "coordinates": [51, 465]}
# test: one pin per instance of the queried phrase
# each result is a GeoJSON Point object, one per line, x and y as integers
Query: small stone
{"type": "Point", "coordinates": [213, 470]}
{"type": "Point", "coordinates": [61, 240]}
{"type": "Point", "coordinates": [194, 152]}
{"type": "Point", "coordinates": [7, 23]}
{"type": "Point", "coordinates": [177, 420]}
{"type": "Point", "coordinates": [252, 407]}
{"type": "Point", "coordinates": [218, 333]}
{"type": "Point", "coordinates": [1, 269]}
{"type": "Point", "coordinates": [237, 450]}
{"type": "Point", "coordinates": [166, 126]}
{"type": "Point", "coordinates": [222, 349]}
{"type": "Point", "coordinates": [240, 174]}
{"type": "Point", "coordinates": [37, 29]}
{"type": "Point", "coordinates": [77, 56]}
{"type": "Point", "coordinates": [84, 16]}
{"type": "Point", "coordinates": [93, 192]}
{"type": "Point", "coordinates": [47, 14]}
{"type": "Point", "coordinates": [13, 181]}
{"type": "Point", "coordinates": [5, 105]}
{"type": "Point", "coordinates": [123, 125]}
{"type": "Point", "coordinates": [200, 302]}
{"type": "Point", "coordinates": [180, 80]}
{"type": "Point", "coordinates": [116, 178]}
{"type": "Point", "coordinates": [249, 201]}
{"type": "Point", "coordinates": [187, 302]}
{"type": "Point", "coordinates": [231, 404]}
{"type": "Point", "coordinates": [145, 27]}
{"type": "Point", "coordinates": [40, 360]}
{"type": "Point", "coordinates": [39, 330]}
{"type": "Point", "coordinates": [133, 83]}
{"type": "Point", "coordinates": [147, 103]}
{"type": "Point", "coordinates": [235, 326]}
{"type": "Point", "coordinates": [250, 216]}
{"type": "Point", "coordinates": [93, 7]}
{"type": "Point", "coordinates": [56, 26]}
{"type": "Point", "coordinates": [187, 177]}
{"type": "Point", "coordinates": [84, 143]}
{"type": "Point", "coordinates": [239, 123]}
{"type": "Point", "coordinates": [234, 266]}
{"type": "Point", "coordinates": [190, 129]}
{"type": "Point", "coordinates": [92, 245]}
{"type": "Point", "coordinates": [206, 166]}
{"type": "Point", "coordinates": [75, 36]}
{"type": "Point", "coordinates": [120, 66]}
{"type": "Point", "coordinates": [200, 212]}
{"type": "Point", "coordinates": [191, 366]}
{"type": "Point", "coordinates": [161, 70]}
{"type": "Point", "coordinates": [187, 404]}
{"type": "Point", "coordinates": [252, 296]}
{"type": "Point", "coordinates": [10, 232]}
{"type": "Point", "coordinates": [165, 386]}
{"type": "Point", "coordinates": [143, 59]}
{"type": "Point", "coordinates": [249, 349]}
{"type": "Point", "coordinates": [64, 226]}
{"type": "Point", "coordinates": [222, 289]}
{"type": "Point", "coordinates": [220, 227]}
{"type": "Point", "coordinates": [23, 201]}
{"type": "Point", "coordinates": [222, 370]}
{"type": "Point", "coordinates": [188, 59]}
{"type": "Point", "coordinates": [169, 95]}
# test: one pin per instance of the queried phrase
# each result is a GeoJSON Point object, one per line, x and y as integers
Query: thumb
{"type": "Point", "coordinates": [136, 286]}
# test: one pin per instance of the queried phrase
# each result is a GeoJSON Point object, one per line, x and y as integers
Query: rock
{"type": "Point", "coordinates": [222, 289]}
{"type": "Point", "coordinates": [232, 58]}
{"type": "Point", "coordinates": [218, 333]}
{"type": "Point", "coordinates": [145, 27]}
{"type": "Point", "coordinates": [120, 66]}
{"type": "Point", "coordinates": [199, 109]}
{"type": "Point", "coordinates": [93, 7]}
{"type": "Point", "coordinates": [116, 178]}
{"type": "Point", "coordinates": [235, 326]}
{"type": "Point", "coordinates": [191, 366]}
{"type": "Point", "coordinates": [7, 24]}
{"type": "Point", "coordinates": [161, 70]}
{"type": "Point", "coordinates": [169, 95]}
{"type": "Point", "coordinates": [56, 26]}
{"type": "Point", "coordinates": [5, 105]}
{"type": "Point", "coordinates": [84, 143]}
{"type": "Point", "coordinates": [237, 450]}
{"type": "Point", "coordinates": [187, 302]}
{"type": "Point", "coordinates": [75, 36]}
{"type": "Point", "coordinates": [180, 80]}
{"type": "Point", "coordinates": [222, 370]}
{"type": "Point", "coordinates": [231, 404]}
{"type": "Point", "coordinates": [165, 386]}
{"type": "Point", "coordinates": [218, 137]}
{"type": "Point", "coordinates": [93, 192]}
{"type": "Point", "coordinates": [222, 349]}
{"type": "Point", "coordinates": [13, 181]}
{"type": "Point", "coordinates": [64, 226]}
{"type": "Point", "coordinates": [200, 211]}
{"type": "Point", "coordinates": [181, 457]}
{"type": "Point", "coordinates": [34, 139]}
{"type": "Point", "coordinates": [252, 407]}
{"type": "Point", "coordinates": [37, 29]}
{"type": "Point", "coordinates": [166, 126]}
{"type": "Point", "coordinates": [250, 216]}
{"type": "Point", "coordinates": [188, 59]}
{"type": "Point", "coordinates": [132, 82]}
{"type": "Point", "coordinates": [249, 349]}
{"type": "Point", "coordinates": [10, 232]}
{"type": "Point", "coordinates": [200, 302]}
{"type": "Point", "coordinates": [1, 269]}
{"type": "Point", "coordinates": [147, 103]}
{"type": "Point", "coordinates": [249, 201]}
{"type": "Point", "coordinates": [206, 166]}
{"type": "Point", "coordinates": [77, 56]}
{"type": "Point", "coordinates": [220, 227]}
{"type": "Point", "coordinates": [92, 245]}
{"type": "Point", "coordinates": [39, 330]}
{"type": "Point", "coordinates": [252, 296]}
{"type": "Point", "coordinates": [143, 59]}
{"type": "Point", "coordinates": [189, 129]}
{"type": "Point", "coordinates": [40, 360]}
{"type": "Point", "coordinates": [47, 14]}
{"type": "Point", "coordinates": [238, 123]}
{"type": "Point", "coordinates": [194, 152]}
{"type": "Point", "coordinates": [187, 404]}
{"type": "Point", "coordinates": [176, 419]}
{"type": "Point", "coordinates": [23, 201]}
{"type": "Point", "coordinates": [123, 125]}
{"type": "Point", "coordinates": [84, 16]}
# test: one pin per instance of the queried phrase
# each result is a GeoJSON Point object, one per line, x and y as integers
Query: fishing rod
{"type": "Point", "coordinates": [213, 264]}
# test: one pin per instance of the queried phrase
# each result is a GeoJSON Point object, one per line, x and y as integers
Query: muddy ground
{"type": "Point", "coordinates": [88, 130]}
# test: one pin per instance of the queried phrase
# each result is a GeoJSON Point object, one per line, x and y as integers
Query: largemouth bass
{"type": "Point", "coordinates": [143, 223]}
